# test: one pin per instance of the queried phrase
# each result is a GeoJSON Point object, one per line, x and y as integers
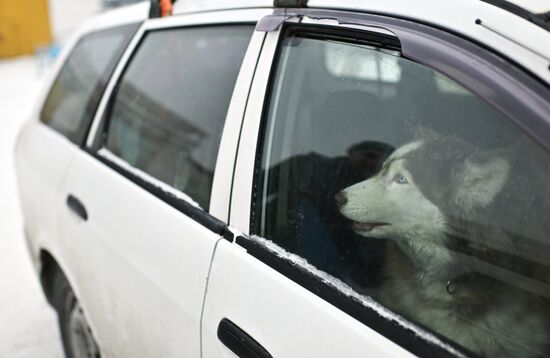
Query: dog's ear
{"type": "Point", "coordinates": [480, 178]}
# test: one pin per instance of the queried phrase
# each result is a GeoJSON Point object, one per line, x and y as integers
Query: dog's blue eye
{"type": "Point", "coordinates": [400, 179]}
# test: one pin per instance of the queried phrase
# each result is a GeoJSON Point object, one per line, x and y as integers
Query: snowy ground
{"type": "Point", "coordinates": [27, 324]}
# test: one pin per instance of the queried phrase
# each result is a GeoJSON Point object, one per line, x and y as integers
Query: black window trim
{"type": "Point", "coordinates": [391, 329]}
{"type": "Point", "coordinates": [93, 102]}
{"type": "Point", "coordinates": [199, 215]}
{"type": "Point", "coordinates": [430, 47]}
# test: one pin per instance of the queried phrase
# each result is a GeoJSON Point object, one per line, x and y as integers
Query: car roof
{"type": "Point", "coordinates": [181, 6]}
{"type": "Point", "coordinates": [510, 34]}
{"type": "Point", "coordinates": [517, 29]}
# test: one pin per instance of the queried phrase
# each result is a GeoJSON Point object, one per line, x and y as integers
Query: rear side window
{"type": "Point", "coordinates": [75, 94]}
{"type": "Point", "coordinates": [410, 189]}
{"type": "Point", "coordinates": [170, 106]}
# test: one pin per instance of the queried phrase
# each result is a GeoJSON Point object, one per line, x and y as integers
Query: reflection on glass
{"type": "Point", "coordinates": [68, 107]}
{"type": "Point", "coordinates": [413, 191]}
{"type": "Point", "coordinates": [171, 105]}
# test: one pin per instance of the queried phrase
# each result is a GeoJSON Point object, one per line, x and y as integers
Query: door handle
{"type": "Point", "coordinates": [77, 207]}
{"type": "Point", "coordinates": [239, 342]}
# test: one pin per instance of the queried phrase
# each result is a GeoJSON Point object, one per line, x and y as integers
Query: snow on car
{"type": "Point", "coordinates": [296, 179]}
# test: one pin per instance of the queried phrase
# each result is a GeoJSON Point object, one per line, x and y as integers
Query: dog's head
{"type": "Point", "coordinates": [420, 185]}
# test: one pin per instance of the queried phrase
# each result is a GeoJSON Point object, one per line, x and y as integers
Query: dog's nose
{"type": "Point", "coordinates": [341, 199]}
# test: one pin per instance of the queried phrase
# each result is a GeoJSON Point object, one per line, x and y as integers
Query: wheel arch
{"type": "Point", "coordinates": [49, 267]}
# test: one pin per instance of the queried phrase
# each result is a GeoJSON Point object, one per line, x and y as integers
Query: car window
{"type": "Point", "coordinates": [170, 106]}
{"type": "Point", "coordinates": [400, 182]}
{"type": "Point", "coordinates": [75, 94]}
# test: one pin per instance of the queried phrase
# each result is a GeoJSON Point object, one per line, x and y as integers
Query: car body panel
{"type": "Point", "coordinates": [38, 175]}
{"type": "Point", "coordinates": [158, 261]}
{"type": "Point", "coordinates": [499, 30]}
{"type": "Point", "coordinates": [255, 291]}
{"type": "Point", "coordinates": [155, 288]}
{"type": "Point", "coordinates": [261, 301]}
{"type": "Point", "coordinates": [286, 319]}
{"type": "Point", "coordinates": [39, 178]}
{"type": "Point", "coordinates": [141, 267]}
{"type": "Point", "coordinates": [223, 174]}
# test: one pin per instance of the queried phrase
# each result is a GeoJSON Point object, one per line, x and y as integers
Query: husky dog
{"type": "Point", "coordinates": [450, 262]}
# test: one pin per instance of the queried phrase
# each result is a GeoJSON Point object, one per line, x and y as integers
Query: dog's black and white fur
{"type": "Point", "coordinates": [451, 264]}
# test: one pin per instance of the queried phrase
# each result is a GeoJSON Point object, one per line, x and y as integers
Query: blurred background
{"type": "Point", "coordinates": [32, 33]}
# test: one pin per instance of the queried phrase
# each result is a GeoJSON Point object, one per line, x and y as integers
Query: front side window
{"type": "Point", "coordinates": [170, 106]}
{"type": "Point", "coordinates": [75, 94]}
{"type": "Point", "coordinates": [409, 188]}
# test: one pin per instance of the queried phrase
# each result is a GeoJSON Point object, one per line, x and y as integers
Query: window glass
{"type": "Point", "coordinates": [400, 182]}
{"type": "Point", "coordinates": [76, 92]}
{"type": "Point", "coordinates": [170, 107]}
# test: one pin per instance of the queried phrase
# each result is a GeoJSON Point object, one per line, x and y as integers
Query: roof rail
{"type": "Point", "coordinates": [541, 20]}
{"type": "Point", "coordinates": [160, 8]}
{"type": "Point", "coordinates": [290, 3]}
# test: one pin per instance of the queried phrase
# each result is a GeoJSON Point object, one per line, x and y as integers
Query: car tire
{"type": "Point", "coordinates": [76, 335]}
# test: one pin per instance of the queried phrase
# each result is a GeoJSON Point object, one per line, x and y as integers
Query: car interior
{"type": "Point", "coordinates": [325, 132]}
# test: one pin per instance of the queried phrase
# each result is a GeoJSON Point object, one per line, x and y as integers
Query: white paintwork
{"type": "Point", "coordinates": [38, 175]}
{"type": "Point", "coordinates": [120, 16]}
{"type": "Point", "coordinates": [294, 322]}
{"type": "Point", "coordinates": [460, 16]}
{"type": "Point", "coordinates": [244, 167]}
{"type": "Point", "coordinates": [348, 291]}
{"type": "Point", "coordinates": [140, 267]}
{"type": "Point", "coordinates": [187, 6]}
{"type": "Point", "coordinates": [455, 15]}
{"type": "Point", "coordinates": [167, 250]}
{"type": "Point", "coordinates": [183, 6]}
{"type": "Point", "coordinates": [223, 173]}
{"type": "Point", "coordinates": [282, 316]}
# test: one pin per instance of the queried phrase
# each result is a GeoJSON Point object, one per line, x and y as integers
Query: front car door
{"type": "Point", "coordinates": [138, 259]}
{"type": "Point", "coordinates": [382, 201]}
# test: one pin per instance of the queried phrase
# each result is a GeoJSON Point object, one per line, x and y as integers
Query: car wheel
{"type": "Point", "coordinates": [77, 337]}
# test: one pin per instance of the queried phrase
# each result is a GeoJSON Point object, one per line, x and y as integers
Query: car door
{"type": "Point", "coordinates": [54, 134]}
{"type": "Point", "coordinates": [374, 188]}
{"type": "Point", "coordinates": [139, 236]}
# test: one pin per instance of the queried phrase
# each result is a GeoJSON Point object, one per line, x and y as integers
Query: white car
{"type": "Point", "coordinates": [300, 179]}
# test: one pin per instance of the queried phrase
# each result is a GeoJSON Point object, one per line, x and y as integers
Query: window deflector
{"type": "Point", "coordinates": [502, 84]}
{"type": "Point", "coordinates": [272, 23]}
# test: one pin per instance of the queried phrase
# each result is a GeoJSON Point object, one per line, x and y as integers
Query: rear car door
{"type": "Point", "coordinates": [382, 204]}
{"type": "Point", "coordinates": [139, 245]}
{"type": "Point", "coordinates": [48, 143]}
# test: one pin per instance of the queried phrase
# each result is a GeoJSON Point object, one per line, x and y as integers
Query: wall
{"type": "Point", "coordinates": [24, 26]}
